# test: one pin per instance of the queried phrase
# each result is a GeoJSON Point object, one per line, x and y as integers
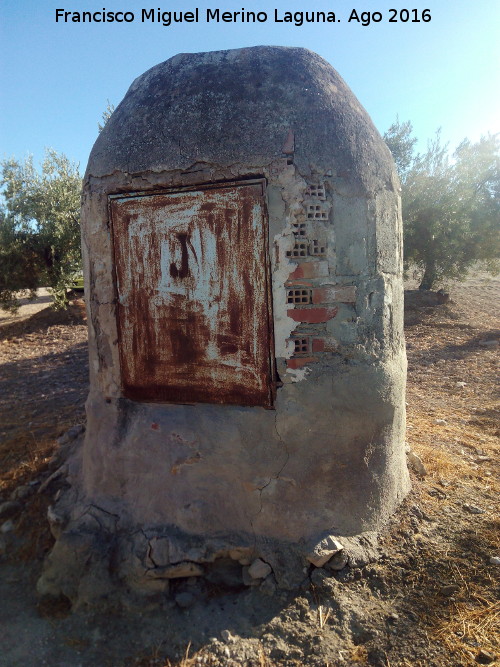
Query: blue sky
{"type": "Point", "coordinates": [56, 78]}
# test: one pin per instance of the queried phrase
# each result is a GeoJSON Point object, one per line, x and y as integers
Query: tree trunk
{"type": "Point", "coordinates": [429, 277]}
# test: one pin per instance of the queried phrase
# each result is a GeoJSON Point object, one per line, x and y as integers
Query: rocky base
{"type": "Point", "coordinates": [99, 561]}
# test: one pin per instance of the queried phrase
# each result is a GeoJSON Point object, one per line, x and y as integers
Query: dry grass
{"type": "Point", "coordinates": [460, 456]}
{"type": "Point", "coordinates": [21, 466]}
{"type": "Point", "coordinates": [155, 659]}
{"type": "Point", "coordinates": [199, 658]}
{"type": "Point", "coordinates": [323, 614]}
{"type": "Point", "coordinates": [475, 622]}
{"type": "Point", "coordinates": [23, 460]}
{"type": "Point", "coordinates": [185, 661]}
{"type": "Point", "coordinates": [359, 655]}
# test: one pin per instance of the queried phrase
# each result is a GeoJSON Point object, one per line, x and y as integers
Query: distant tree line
{"type": "Point", "coordinates": [39, 228]}
{"type": "Point", "coordinates": [40, 242]}
{"type": "Point", "coordinates": [450, 204]}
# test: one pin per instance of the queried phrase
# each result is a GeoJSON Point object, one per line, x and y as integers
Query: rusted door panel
{"type": "Point", "coordinates": [193, 305]}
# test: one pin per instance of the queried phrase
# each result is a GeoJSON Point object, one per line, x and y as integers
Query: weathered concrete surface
{"type": "Point", "coordinates": [238, 107]}
{"type": "Point", "coordinates": [212, 480]}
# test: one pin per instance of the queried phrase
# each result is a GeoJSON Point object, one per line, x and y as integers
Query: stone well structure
{"type": "Point", "coordinates": [242, 246]}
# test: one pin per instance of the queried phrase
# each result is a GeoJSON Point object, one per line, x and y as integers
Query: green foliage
{"type": "Point", "coordinates": [17, 260]}
{"type": "Point", "coordinates": [401, 144]}
{"type": "Point", "coordinates": [451, 204]}
{"type": "Point", "coordinates": [39, 227]}
{"type": "Point", "coordinates": [106, 115]}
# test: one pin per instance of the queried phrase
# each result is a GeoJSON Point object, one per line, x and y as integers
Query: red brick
{"type": "Point", "coordinates": [314, 269]}
{"type": "Point", "coordinates": [298, 283]}
{"type": "Point", "coordinates": [318, 345]}
{"type": "Point", "coordinates": [331, 294]}
{"type": "Point", "coordinates": [299, 362]}
{"type": "Point", "coordinates": [312, 315]}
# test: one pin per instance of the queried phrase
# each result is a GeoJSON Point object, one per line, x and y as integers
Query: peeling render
{"type": "Point", "coordinates": [243, 265]}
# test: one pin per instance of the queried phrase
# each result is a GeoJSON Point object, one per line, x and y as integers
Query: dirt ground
{"type": "Point", "coordinates": [432, 598]}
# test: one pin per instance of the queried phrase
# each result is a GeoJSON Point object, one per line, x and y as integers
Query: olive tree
{"type": "Point", "coordinates": [451, 204]}
{"type": "Point", "coordinates": [39, 227]}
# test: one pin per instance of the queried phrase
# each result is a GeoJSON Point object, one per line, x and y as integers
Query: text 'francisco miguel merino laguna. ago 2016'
{"type": "Point", "coordinates": [216, 15]}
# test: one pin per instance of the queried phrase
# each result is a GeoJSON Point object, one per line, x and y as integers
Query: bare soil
{"type": "Point", "coordinates": [432, 598]}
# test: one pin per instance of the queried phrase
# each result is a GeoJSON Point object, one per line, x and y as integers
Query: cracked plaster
{"type": "Point", "coordinates": [330, 455]}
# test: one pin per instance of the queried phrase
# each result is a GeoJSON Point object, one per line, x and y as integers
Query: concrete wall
{"type": "Point", "coordinates": [202, 482]}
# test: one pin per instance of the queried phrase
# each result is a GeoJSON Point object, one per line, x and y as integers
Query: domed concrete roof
{"type": "Point", "coordinates": [241, 106]}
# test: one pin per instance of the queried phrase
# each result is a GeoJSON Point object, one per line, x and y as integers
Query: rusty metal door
{"type": "Point", "coordinates": [193, 311]}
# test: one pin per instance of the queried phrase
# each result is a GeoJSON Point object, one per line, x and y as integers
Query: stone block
{"type": "Point", "coordinates": [259, 569]}
{"type": "Point", "coordinates": [322, 551]}
{"type": "Point", "coordinates": [176, 571]}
